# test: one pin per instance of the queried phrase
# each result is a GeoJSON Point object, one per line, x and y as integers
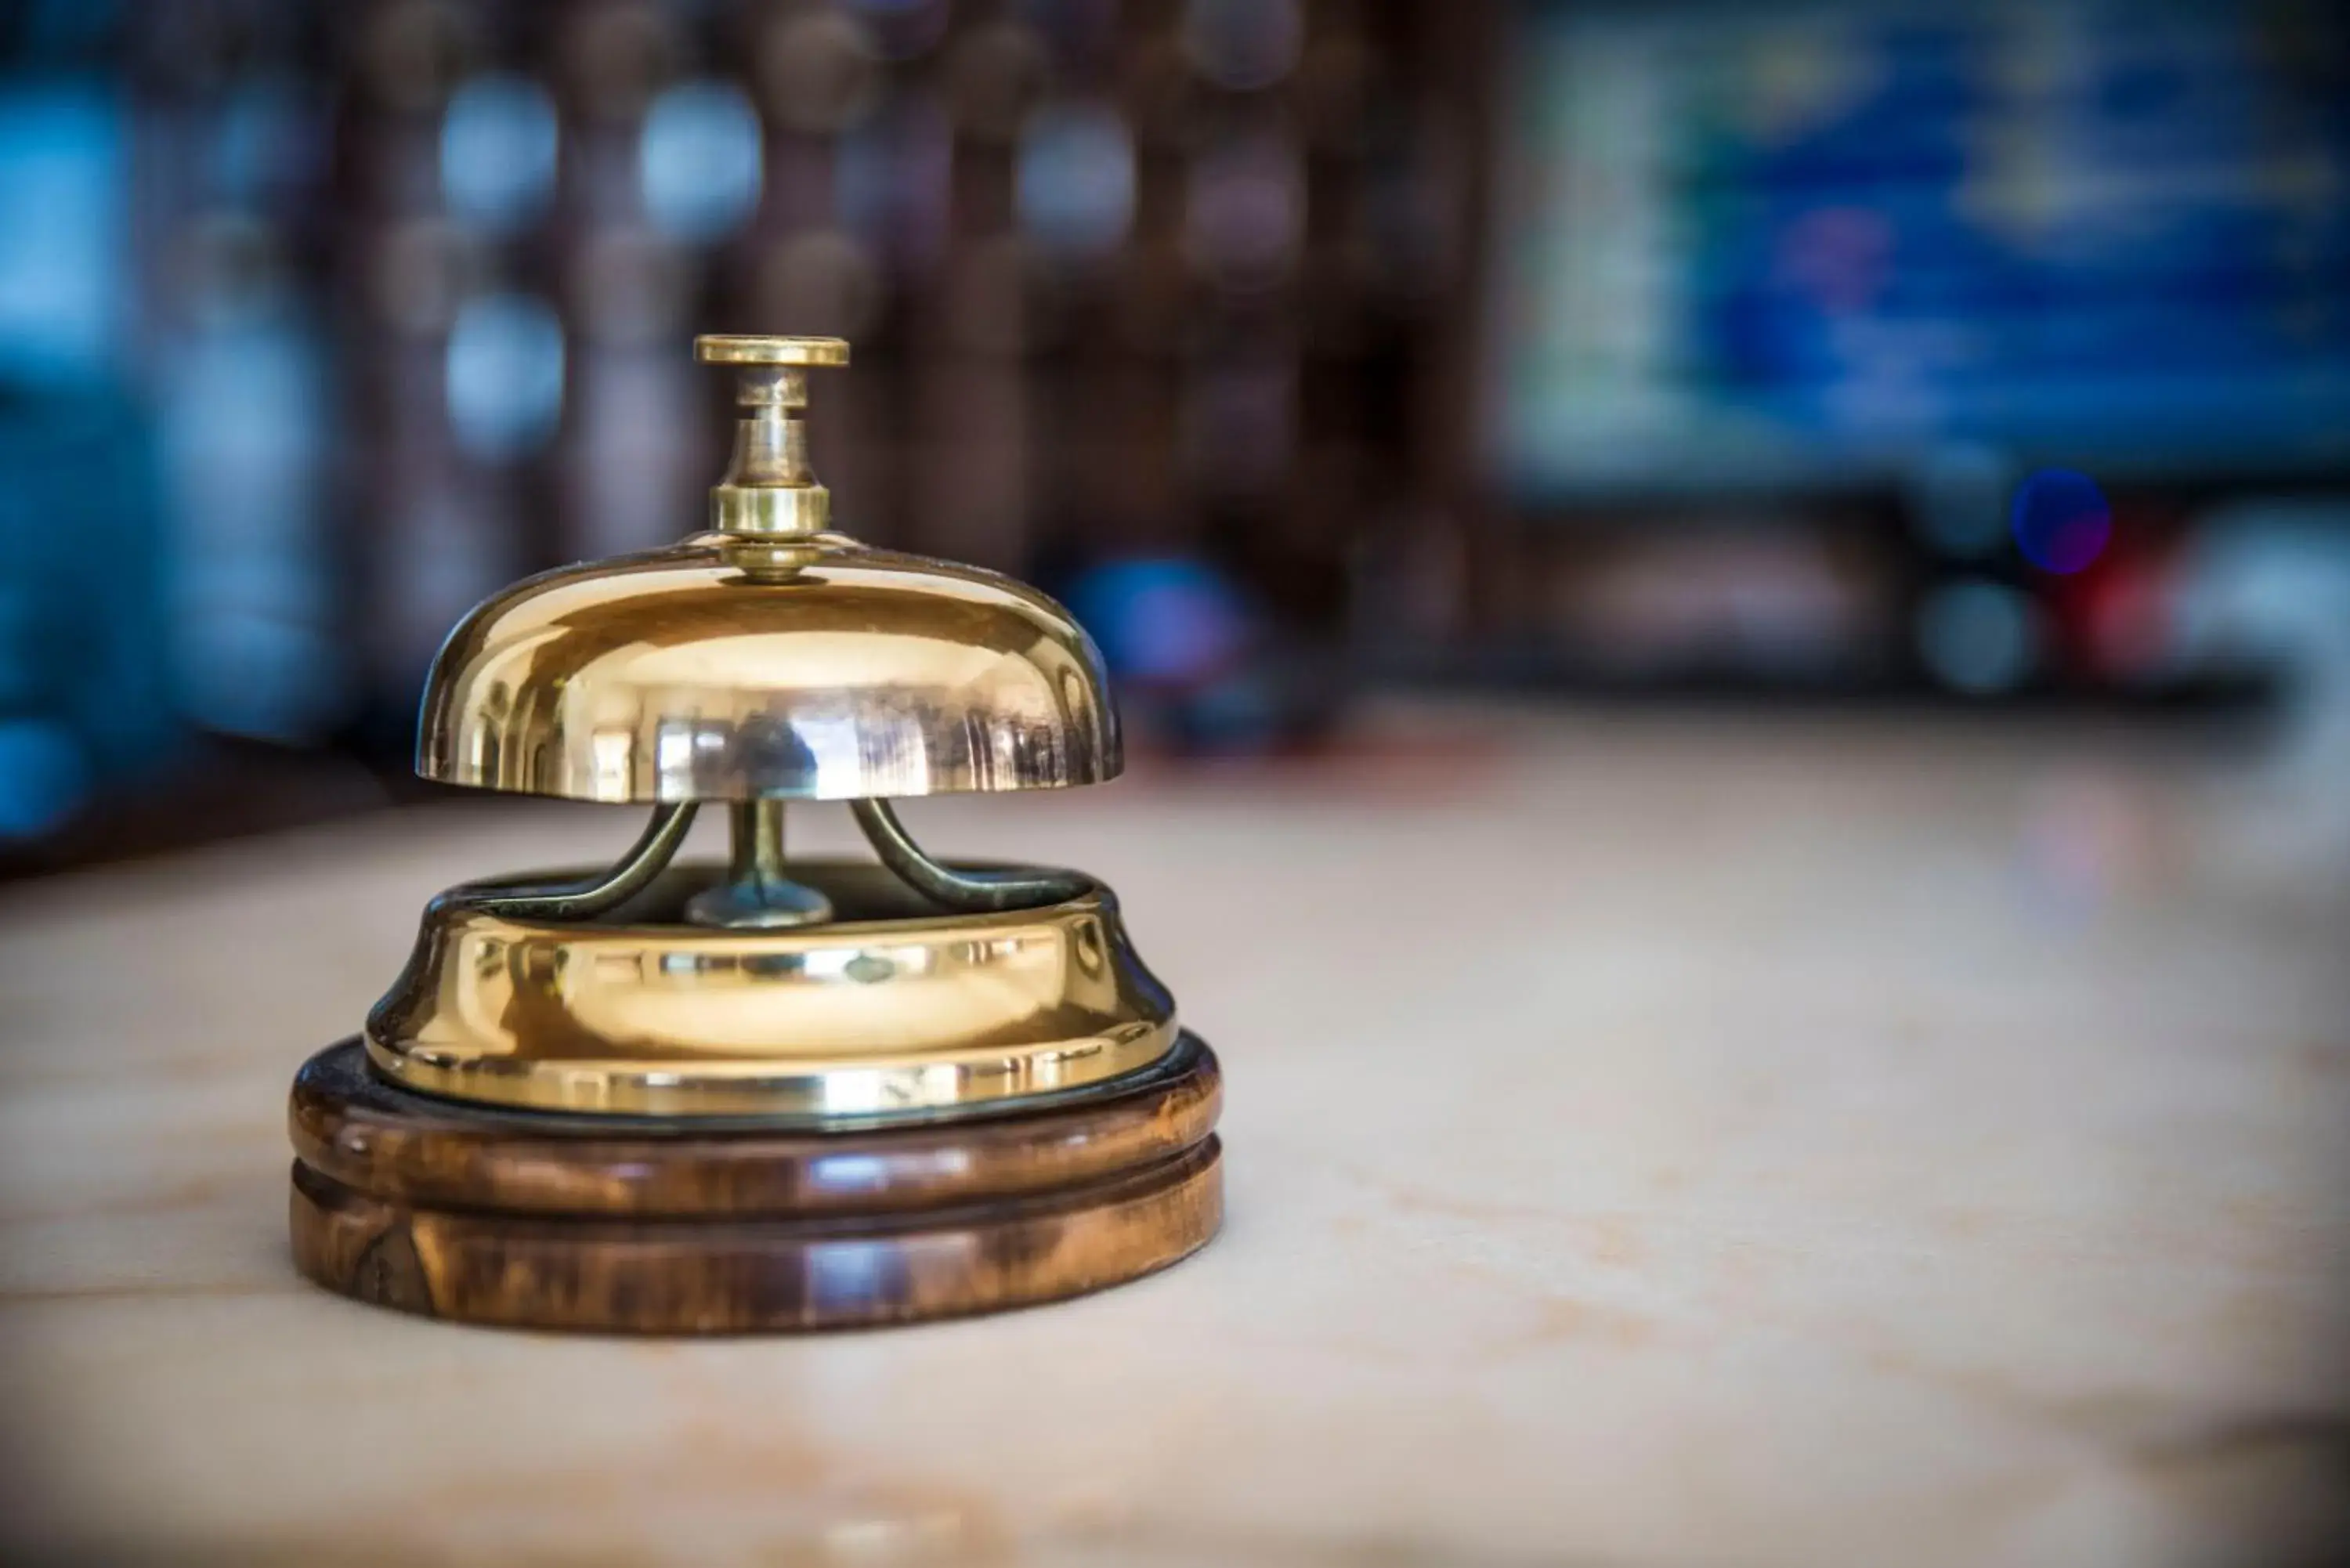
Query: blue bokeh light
{"type": "Point", "coordinates": [1978, 637]}
{"type": "Point", "coordinates": [499, 147]}
{"type": "Point", "coordinates": [1170, 620]}
{"type": "Point", "coordinates": [505, 375]}
{"type": "Point", "coordinates": [1076, 180]}
{"type": "Point", "coordinates": [701, 161]}
{"type": "Point", "coordinates": [2061, 520]}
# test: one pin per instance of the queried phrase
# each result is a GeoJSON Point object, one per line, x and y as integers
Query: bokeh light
{"type": "Point", "coordinates": [1978, 636]}
{"type": "Point", "coordinates": [505, 375]}
{"type": "Point", "coordinates": [1075, 179]}
{"type": "Point", "coordinates": [499, 144]}
{"type": "Point", "coordinates": [1168, 620]}
{"type": "Point", "coordinates": [2061, 520]}
{"type": "Point", "coordinates": [701, 160]}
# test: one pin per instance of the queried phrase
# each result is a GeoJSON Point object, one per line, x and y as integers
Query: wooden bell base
{"type": "Point", "coordinates": [647, 1226]}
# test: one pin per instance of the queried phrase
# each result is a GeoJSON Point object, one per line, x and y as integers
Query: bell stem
{"type": "Point", "coordinates": [757, 854]}
{"type": "Point", "coordinates": [758, 891]}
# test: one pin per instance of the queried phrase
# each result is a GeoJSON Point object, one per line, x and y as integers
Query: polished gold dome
{"type": "Point", "coordinates": [769, 657]}
{"type": "Point", "coordinates": [706, 672]}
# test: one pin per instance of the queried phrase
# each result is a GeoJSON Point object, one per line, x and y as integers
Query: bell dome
{"type": "Point", "coordinates": [723, 668]}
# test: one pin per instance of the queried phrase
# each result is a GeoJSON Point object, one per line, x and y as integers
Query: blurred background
{"type": "Point", "coordinates": [1861, 351]}
{"type": "Point", "coordinates": [1734, 623]}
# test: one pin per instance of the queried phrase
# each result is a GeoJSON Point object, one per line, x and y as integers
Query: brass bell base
{"type": "Point", "coordinates": [654, 1225]}
{"type": "Point", "coordinates": [894, 1010]}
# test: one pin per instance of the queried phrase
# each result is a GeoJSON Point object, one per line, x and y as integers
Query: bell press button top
{"type": "Point", "coordinates": [769, 490]}
{"type": "Point", "coordinates": [750, 348]}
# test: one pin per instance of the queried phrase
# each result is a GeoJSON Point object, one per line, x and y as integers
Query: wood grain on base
{"type": "Point", "coordinates": [558, 1222]}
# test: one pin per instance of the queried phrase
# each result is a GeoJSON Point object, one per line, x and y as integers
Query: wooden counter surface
{"type": "Point", "coordinates": [1649, 1141]}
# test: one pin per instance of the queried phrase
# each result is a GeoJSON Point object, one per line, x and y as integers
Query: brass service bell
{"type": "Point", "coordinates": [775, 1093]}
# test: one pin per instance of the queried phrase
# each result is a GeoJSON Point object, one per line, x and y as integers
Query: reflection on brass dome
{"type": "Point", "coordinates": [719, 669]}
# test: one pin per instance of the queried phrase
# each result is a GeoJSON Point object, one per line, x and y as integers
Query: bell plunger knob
{"type": "Point", "coordinates": [768, 488]}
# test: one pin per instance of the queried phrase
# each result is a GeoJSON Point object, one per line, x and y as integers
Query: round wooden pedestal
{"type": "Point", "coordinates": [637, 1225]}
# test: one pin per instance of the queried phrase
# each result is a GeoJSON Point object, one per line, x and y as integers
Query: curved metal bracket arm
{"type": "Point", "coordinates": [584, 900]}
{"type": "Point", "coordinates": [969, 892]}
